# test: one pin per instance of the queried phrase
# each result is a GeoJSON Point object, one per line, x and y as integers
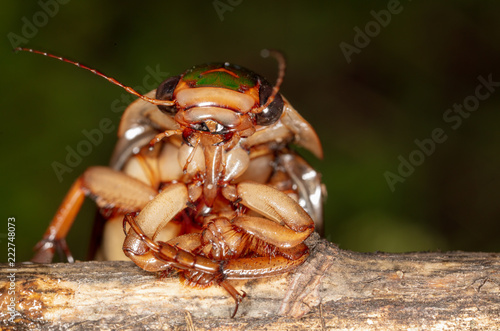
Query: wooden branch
{"type": "Point", "coordinates": [334, 289]}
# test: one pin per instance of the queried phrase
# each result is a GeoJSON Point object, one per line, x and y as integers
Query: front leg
{"type": "Point", "coordinates": [196, 270]}
{"type": "Point", "coordinates": [152, 219]}
{"type": "Point", "coordinates": [285, 223]}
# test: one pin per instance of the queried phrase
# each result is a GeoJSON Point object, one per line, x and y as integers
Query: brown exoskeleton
{"type": "Point", "coordinates": [207, 184]}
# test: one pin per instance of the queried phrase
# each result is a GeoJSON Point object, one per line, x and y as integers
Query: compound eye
{"type": "Point", "coordinates": [166, 92]}
{"type": "Point", "coordinates": [273, 112]}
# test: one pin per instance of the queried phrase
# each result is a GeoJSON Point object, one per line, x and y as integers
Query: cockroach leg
{"type": "Point", "coordinates": [64, 251]}
{"type": "Point", "coordinates": [53, 239]}
{"type": "Point", "coordinates": [237, 296]}
{"type": "Point", "coordinates": [110, 188]}
{"type": "Point", "coordinates": [45, 249]}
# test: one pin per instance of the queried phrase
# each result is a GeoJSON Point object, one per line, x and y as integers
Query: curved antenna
{"type": "Point", "coordinates": [94, 71]}
{"type": "Point", "coordinates": [281, 74]}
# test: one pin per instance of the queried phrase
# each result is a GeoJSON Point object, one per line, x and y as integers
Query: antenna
{"type": "Point", "coordinates": [281, 74]}
{"type": "Point", "coordinates": [94, 71]}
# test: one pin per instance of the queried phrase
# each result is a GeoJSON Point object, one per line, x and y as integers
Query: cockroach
{"type": "Point", "coordinates": [202, 180]}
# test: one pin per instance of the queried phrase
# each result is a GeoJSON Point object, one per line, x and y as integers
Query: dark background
{"type": "Point", "coordinates": [367, 112]}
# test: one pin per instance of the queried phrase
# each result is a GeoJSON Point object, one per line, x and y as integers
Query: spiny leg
{"type": "Point", "coordinates": [54, 237]}
{"type": "Point", "coordinates": [109, 188]}
{"type": "Point", "coordinates": [155, 256]}
{"type": "Point", "coordinates": [284, 224]}
{"type": "Point", "coordinates": [237, 296]}
{"type": "Point", "coordinates": [183, 259]}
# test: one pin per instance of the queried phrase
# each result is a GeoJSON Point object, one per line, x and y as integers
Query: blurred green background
{"type": "Point", "coordinates": [405, 74]}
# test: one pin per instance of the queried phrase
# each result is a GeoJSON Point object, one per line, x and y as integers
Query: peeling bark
{"type": "Point", "coordinates": [333, 289]}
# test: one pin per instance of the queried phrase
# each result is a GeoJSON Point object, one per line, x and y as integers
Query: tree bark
{"type": "Point", "coordinates": [333, 289]}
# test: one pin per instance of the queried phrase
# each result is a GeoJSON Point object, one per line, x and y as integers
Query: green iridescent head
{"type": "Point", "coordinates": [223, 75]}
